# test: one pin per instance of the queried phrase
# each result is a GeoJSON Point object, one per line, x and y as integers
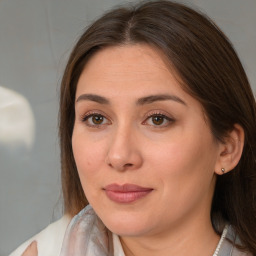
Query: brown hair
{"type": "Point", "coordinates": [210, 71]}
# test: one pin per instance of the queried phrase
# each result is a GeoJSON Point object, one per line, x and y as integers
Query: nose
{"type": "Point", "coordinates": [124, 153]}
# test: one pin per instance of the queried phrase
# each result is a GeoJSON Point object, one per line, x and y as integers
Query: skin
{"type": "Point", "coordinates": [31, 250]}
{"type": "Point", "coordinates": [121, 135]}
{"type": "Point", "coordinates": [177, 158]}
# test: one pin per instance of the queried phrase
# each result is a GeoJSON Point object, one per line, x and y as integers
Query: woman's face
{"type": "Point", "coordinates": [143, 149]}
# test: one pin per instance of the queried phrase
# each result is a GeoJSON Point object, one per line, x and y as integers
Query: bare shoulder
{"type": "Point", "coordinates": [31, 250]}
{"type": "Point", "coordinates": [48, 241]}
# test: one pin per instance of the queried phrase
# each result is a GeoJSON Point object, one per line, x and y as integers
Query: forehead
{"type": "Point", "coordinates": [128, 53]}
{"type": "Point", "coordinates": [127, 67]}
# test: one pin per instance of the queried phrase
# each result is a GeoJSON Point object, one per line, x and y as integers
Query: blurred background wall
{"type": "Point", "coordinates": [36, 37]}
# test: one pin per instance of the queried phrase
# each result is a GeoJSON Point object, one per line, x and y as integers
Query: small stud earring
{"type": "Point", "coordinates": [223, 170]}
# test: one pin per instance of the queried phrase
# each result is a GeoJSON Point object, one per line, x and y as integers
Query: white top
{"type": "Point", "coordinates": [118, 249]}
{"type": "Point", "coordinates": [49, 240]}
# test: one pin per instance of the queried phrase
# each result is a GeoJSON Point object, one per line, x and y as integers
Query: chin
{"type": "Point", "coordinates": [127, 225]}
{"type": "Point", "coordinates": [124, 229]}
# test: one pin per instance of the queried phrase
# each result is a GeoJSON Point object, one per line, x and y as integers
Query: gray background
{"type": "Point", "coordinates": [36, 37]}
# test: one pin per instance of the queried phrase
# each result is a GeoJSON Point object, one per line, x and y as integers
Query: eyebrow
{"type": "Point", "coordinates": [141, 101]}
{"type": "Point", "coordinates": [159, 97]}
{"type": "Point", "coordinates": [93, 97]}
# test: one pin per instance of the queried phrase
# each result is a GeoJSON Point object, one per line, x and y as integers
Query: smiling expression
{"type": "Point", "coordinates": [143, 148]}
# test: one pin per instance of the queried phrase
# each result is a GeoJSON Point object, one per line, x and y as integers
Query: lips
{"type": "Point", "coordinates": [126, 193]}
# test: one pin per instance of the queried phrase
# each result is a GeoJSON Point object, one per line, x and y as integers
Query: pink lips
{"type": "Point", "coordinates": [126, 193]}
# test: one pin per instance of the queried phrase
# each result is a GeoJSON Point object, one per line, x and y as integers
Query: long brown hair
{"type": "Point", "coordinates": [210, 71]}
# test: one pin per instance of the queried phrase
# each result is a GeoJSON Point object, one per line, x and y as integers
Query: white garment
{"type": "Point", "coordinates": [86, 235]}
{"type": "Point", "coordinates": [49, 240]}
{"type": "Point", "coordinates": [118, 249]}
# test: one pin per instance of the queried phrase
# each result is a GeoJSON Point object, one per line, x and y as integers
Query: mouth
{"type": "Point", "coordinates": [126, 193]}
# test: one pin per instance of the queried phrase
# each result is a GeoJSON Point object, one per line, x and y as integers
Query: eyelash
{"type": "Point", "coordinates": [168, 120]}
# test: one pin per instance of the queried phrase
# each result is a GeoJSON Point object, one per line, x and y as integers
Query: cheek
{"type": "Point", "coordinates": [185, 175]}
{"type": "Point", "coordinates": [88, 157]}
{"type": "Point", "coordinates": [185, 164]}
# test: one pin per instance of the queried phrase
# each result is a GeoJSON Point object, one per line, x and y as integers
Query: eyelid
{"type": "Point", "coordinates": [159, 112]}
{"type": "Point", "coordinates": [93, 112]}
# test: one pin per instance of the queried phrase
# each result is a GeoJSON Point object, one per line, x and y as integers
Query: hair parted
{"type": "Point", "coordinates": [209, 70]}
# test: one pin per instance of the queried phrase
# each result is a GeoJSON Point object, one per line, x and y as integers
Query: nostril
{"type": "Point", "coordinates": [128, 165]}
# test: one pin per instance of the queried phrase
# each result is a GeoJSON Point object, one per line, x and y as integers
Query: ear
{"type": "Point", "coordinates": [230, 151]}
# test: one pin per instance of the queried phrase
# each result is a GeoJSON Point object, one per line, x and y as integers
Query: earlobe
{"type": "Point", "coordinates": [230, 151]}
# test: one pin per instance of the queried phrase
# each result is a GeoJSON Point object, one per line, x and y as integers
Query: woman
{"type": "Point", "coordinates": [157, 131]}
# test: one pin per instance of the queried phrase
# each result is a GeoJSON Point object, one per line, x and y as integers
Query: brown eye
{"type": "Point", "coordinates": [158, 120]}
{"type": "Point", "coordinates": [97, 119]}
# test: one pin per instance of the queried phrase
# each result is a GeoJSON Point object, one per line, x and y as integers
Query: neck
{"type": "Point", "coordinates": [181, 241]}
